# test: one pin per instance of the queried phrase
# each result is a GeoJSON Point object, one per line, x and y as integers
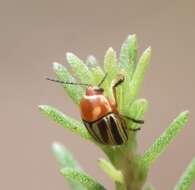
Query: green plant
{"type": "Point", "coordinates": [124, 166]}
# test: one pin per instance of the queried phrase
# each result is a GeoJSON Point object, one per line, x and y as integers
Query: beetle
{"type": "Point", "coordinates": [100, 114]}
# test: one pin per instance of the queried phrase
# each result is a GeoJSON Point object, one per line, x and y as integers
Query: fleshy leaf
{"type": "Point", "coordinates": [65, 159]}
{"type": "Point", "coordinates": [137, 111]}
{"type": "Point", "coordinates": [91, 61]}
{"type": "Point", "coordinates": [188, 177]}
{"type": "Point", "coordinates": [111, 68]}
{"type": "Point", "coordinates": [111, 171]}
{"type": "Point", "coordinates": [98, 74]}
{"type": "Point", "coordinates": [75, 92]}
{"type": "Point", "coordinates": [128, 54]}
{"type": "Point", "coordinates": [84, 179]}
{"type": "Point", "coordinates": [80, 69]}
{"type": "Point", "coordinates": [110, 60]}
{"type": "Point", "coordinates": [65, 121]}
{"type": "Point", "coordinates": [165, 139]}
{"type": "Point", "coordinates": [63, 156]}
{"type": "Point", "coordinates": [132, 45]}
{"type": "Point", "coordinates": [96, 70]}
{"type": "Point", "coordinates": [137, 79]}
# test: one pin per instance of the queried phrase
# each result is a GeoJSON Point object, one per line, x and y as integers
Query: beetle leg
{"type": "Point", "coordinates": [120, 78]}
{"type": "Point", "coordinates": [139, 128]}
{"type": "Point", "coordinates": [134, 120]}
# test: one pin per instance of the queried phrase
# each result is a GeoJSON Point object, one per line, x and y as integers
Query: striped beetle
{"type": "Point", "coordinates": [100, 115]}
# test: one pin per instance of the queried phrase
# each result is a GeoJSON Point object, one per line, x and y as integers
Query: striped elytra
{"type": "Point", "coordinates": [110, 129]}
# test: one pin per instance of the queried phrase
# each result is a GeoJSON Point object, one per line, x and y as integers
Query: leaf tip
{"type": "Point", "coordinates": [148, 50]}
{"type": "Point", "coordinates": [110, 49]}
{"type": "Point", "coordinates": [63, 171]}
{"type": "Point", "coordinates": [55, 145]}
{"type": "Point", "coordinates": [41, 107]}
{"type": "Point", "coordinates": [69, 55]}
{"type": "Point", "coordinates": [56, 65]}
{"type": "Point", "coordinates": [132, 37]}
{"type": "Point", "coordinates": [185, 114]}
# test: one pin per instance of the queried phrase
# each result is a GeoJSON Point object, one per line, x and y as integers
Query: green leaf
{"type": "Point", "coordinates": [84, 179]}
{"type": "Point", "coordinates": [138, 77]}
{"type": "Point", "coordinates": [96, 70]}
{"type": "Point", "coordinates": [128, 54]}
{"type": "Point", "coordinates": [75, 92]}
{"type": "Point", "coordinates": [188, 177]}
{"type": "Point", "coordinates": [91, 61]}
{"type": "Point", "coordinates": [137, 111]}
{"type": "Point", "coordinates": [98, 74]}
{"type": "Point", "coordinates": [129, 59]}
{"type": "Point", "coordinates": [132, 50]}
{"type": "Point", "coordinates": [111, 68]}
{"type": "Point", "coordinates": [63, 156]}
{"type": "Point", "coordinates": [149, 187]}
{"type": "Point", "coordinates": [110, 61]}
{"type": "Point", "coordinates": [165, 139]}
{"type": "Point", "coordinates": [111, 171]}
{"type": "Point", "coordinates": [80, 69]}
{"type": "Point", "coordinates": [65, 159]}
{"type": "Point", "coordinates": [65, 121]}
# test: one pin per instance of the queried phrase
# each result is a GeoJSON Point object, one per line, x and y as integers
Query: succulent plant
{"type": "Point", "coordinates": [124, 165]}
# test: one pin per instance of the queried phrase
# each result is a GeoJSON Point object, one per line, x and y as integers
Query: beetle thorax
{"type": "Point", "coordinates": [94, 90]}
{"type": "Point", "coordinates": [94, 107]}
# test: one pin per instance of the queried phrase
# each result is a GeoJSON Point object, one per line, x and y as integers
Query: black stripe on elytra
{"type": "Point", "coordinates": [102, 126]}
{"type": "Point", "coordinates": [123, 124]}
{"type": "Point", "coordinates": [115, 131]}
{"type": "Point", "coordinates": [124, 127]}
{"type": "Point", "coordinates": [92, 132]}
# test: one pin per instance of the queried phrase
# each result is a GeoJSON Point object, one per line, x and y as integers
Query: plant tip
{"type": "Point", "coordinates": [41, 107]}
{"type": "Point", "coordinates": [56, 65]}
{"type": "Point", "coordinates": [69, 55]}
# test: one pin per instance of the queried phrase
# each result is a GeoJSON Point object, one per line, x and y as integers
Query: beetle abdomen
{"type": "Point", "coordinates": [110, 129]}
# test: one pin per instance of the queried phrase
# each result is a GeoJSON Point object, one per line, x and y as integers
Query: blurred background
{"type": "Point", "coordinates": [34, 34]}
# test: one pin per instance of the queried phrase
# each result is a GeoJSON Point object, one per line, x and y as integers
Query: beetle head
{"type": "Point", "coordinates": [94, 90]}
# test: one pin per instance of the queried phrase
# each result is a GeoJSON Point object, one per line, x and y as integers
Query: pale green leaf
{"type": "Point", "coordinates": [84, 179]}
{"type": "Point", "coordinates": [127, 64]}
{"type": "Point", "coordinates": [111, 68]}
{"type": "Point", "coordinates": [188, 177]}
{"type": "Point", "coordinates": [128, 54]}
{"type": "Point", "coordinates": [65, 159]}
{"type": "Point", "coordinates": [98, 74]}
{"type": "Point", "coordinates": [65, 121]}
{"type": "Point", "coordinates": [111, 171]}
{"type": "Point", "coordinates": [110, 61]}
{"type": "Point", "coordinates": [96, 70]}
{"type": "Point", "coordinates": [138, 76]}
{"type": "Point", "coordinates": [80, 69]}
{"type": "Point", "coordinates": [149, 187]}
{"type": "Point", "coordinates": [137, 111]}
{"type": "Point", "coordinates": [63, 156]}
{"type": "Point", "coordinates": [75, 92]}
{"type": "Point", "coordinates": [165, 139]}
{"type": "Point", "coordinates": [91, 61]}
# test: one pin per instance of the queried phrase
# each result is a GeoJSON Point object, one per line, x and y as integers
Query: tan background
{"type": "Point", "coordinates": [33, 34]}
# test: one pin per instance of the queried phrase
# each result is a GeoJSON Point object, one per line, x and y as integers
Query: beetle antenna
{"type": "Point", "coordinates": [64, 82]}
{"type": "Point", "coordinates": [103, 79]}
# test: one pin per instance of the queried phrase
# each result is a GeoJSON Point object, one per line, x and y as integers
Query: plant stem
{"type": "Point", "coordinates": [126, 159]}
